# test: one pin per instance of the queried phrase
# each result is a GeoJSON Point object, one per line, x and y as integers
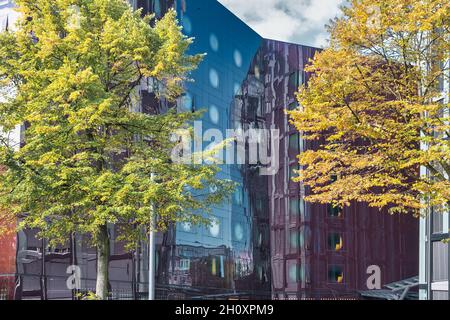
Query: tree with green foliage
{"type": "Point", "coordinates": [69, 73]}
{"type": "Point", "coordinates": [375, 104]}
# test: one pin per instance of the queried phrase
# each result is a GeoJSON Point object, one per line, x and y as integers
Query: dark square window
{"type": "Point", "coordinates": [293, 106]}
{"type": "Point", "coordinates": [334, 211]}
{"type": "Point", "coordinates": [294, 142]}
{"type": "Point", "coordinates": [335, 274]}
{"type": "Point", "coordinates": [335, 242]}
{"type": "Point", "coordinates": [294, 206]}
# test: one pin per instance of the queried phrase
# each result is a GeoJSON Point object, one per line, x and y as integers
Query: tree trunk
{"type": "Point", "coordinates": [101, 289]}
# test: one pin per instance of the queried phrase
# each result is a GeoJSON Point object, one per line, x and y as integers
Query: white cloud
{"type": "Point", "coordinates": [300, 21]}
{"type": "Point", "coordinates": [7, 15]}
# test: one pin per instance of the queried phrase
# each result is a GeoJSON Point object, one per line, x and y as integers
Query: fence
{"type": "Point", "coordinates": [35, 287]}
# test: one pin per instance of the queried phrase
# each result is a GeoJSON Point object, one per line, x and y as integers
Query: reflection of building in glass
{"type": "Point", "coordinates": [265, 241]}
{"type": "Point", "coordinates": [317, 251]}
{"type": "Point", "coordinates": [229, 258]}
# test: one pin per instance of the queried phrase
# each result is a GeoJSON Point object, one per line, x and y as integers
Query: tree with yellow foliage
{"type": "Point", "coordinates": [70, 73]}
{"type": "Point", "coordinates": [376, 107]}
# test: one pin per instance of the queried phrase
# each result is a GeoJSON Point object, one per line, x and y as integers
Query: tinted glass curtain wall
{"type": "Point", "coordinates": [230, 258]}
{"type": "Point", "coordinates": [265, 241]}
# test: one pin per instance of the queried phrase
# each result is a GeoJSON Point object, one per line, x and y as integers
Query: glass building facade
{"type": "Point", "coordinates": [230, 258]}
{"type": "Point", "coordinates": [317, 251]}
{"type": "Point", "coordinates": [265, 241]}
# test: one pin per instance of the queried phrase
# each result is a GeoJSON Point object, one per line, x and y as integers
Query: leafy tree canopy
{"type": "Point", "coordinates": [70, 74]}
{"type": "Point", "coordinates": [375, 108]}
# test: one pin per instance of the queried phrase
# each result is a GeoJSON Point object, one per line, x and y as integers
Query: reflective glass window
{"type": "Point", "coordinates": [335, 242]}
{"type": "Point", "coordinates": [335, 274]}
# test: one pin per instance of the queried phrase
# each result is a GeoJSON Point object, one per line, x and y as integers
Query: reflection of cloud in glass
{"type": "Point", "coordinates": [237, 58]}
{"type": "Point", "coordinates": [186, 102]}
{"type": "Point", "coordinates": [213, 188]}
{"type": "Point", "coordinates": [257, 73]}
{"type": "Point", "coordinates": [187, 24]}
{"type": "Point", "coordinates": [238, 196]}
{"type": "Point", "coordinates": [157, 8]}
{"type": "Point", "coordinates": [293, 273]}
{"type": "Point", "coordinates": [294, 239]}
{"type": "Point", "coordinates": [237, 88]}
{"type": "Point", "coordinates": [214, 114]}
{"type": "Point", "coordinates": [186, 226]}
{"type": "Point", "coordinates": [238, 232]}
{"type": "Point", "coordinates": [213, 78]}
{"type": "Point", "coordinates": [214, 42]}
{"type": "Point", "coordinates": [214, 228]}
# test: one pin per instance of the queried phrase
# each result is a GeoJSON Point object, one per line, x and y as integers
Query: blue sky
{"type": "Point", "coordinates": [299, 21]}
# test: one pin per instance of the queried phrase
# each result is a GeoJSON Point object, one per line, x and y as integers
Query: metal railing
{"type": "Point", "coordinates": [32, 287]}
